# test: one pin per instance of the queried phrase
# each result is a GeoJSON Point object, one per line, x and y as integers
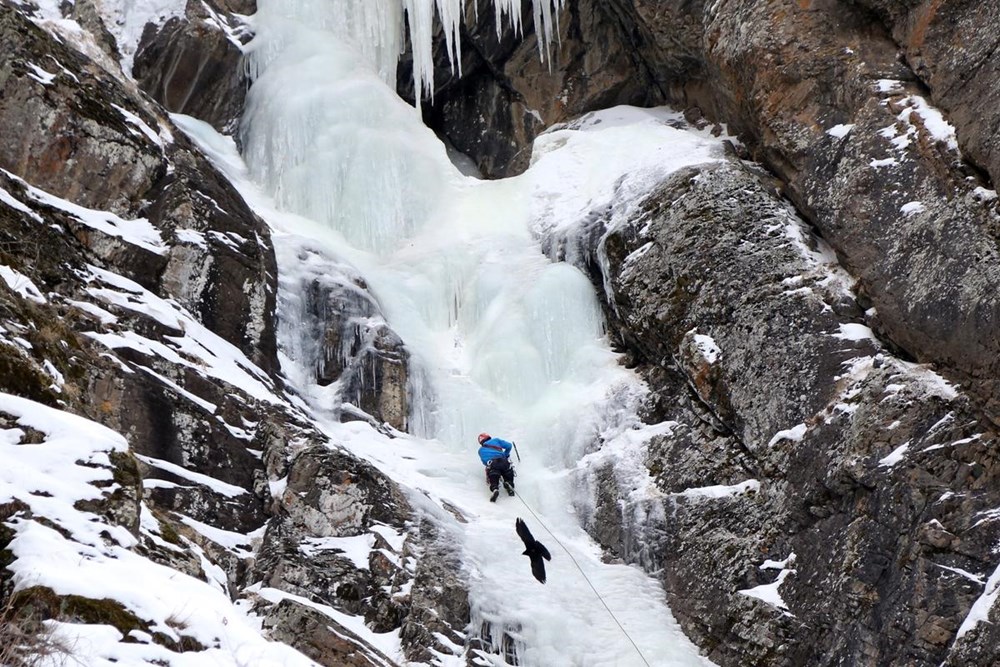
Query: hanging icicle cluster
{"type": "Point", "coordinates": [420, 20]}
{"type": "Point", "coordinates": [376, 27]}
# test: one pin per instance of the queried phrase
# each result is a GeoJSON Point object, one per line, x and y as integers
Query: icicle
{"type": "Point", "coordinates": [420, 19]}
{"type": "Point", "coordinates": [546, 15]}
{"type": "Point", "coordinates": [507, 11]}
{"type": "Point", "coordinates": [546, 11]}
{"type": "Point", "coordinates": [450, 14]}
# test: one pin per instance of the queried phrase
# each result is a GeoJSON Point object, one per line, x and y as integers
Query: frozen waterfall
{"type": "Point", "coordinates": [505, 340]}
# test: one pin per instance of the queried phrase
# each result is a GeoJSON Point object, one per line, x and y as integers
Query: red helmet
{"type": "Point", "coordinates": [483, 437]}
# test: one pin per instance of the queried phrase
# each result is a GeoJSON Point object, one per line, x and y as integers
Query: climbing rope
{"type": "Point", "coordinates": [587, 579]}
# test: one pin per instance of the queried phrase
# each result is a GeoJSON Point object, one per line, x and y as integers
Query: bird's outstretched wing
{"type": "Point", "coordinates": [538, 567]}
{"type": "Point", "coordinates": [524, 533]}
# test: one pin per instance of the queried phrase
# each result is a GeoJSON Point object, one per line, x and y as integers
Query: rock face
{"type": "Point", "coordinates": [917, 236]}
{"type": "Point", "coordinates": [800, 456]}
{"type": "Point", "coordinates": [330, 504]}
{"type": "Point", "coordinates": [948, 49]}
{"type": "Point", "coordinates": [339, 337]}
{"type": "Point", "coordinates": [139, 290]}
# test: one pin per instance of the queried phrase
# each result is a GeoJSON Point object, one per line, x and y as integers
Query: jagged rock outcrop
{"type": "Point", "coordinates": [318, 636]}
{"type": "Point", "coordinates": [332, 508]}
{"type": "Point", "coordinates": [947, 47]}
{"type": "Point", "coordinates": [338, 335]}
{"type": "Point", "coordinates": [193, 64]}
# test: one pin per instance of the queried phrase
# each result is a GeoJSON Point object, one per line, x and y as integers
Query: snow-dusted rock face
{"type": "Point", "coordinates": [346, 540]}
{"type": "Point", "coordinates": [141, 259]}
{"type": "Point", "coordinates": [68, 142]}
{"type": "Point", "coordinates": [949, 50]}
{"type": "Point", "coordinates": [175, 280]}
{"type": "Point", "coordinates": [820, 500]}
{"type": "Point", "coordinates": [336, 331]}
{"type": "Point", "coordinates": [870, 162]}
{"type": "Point", "coordinates": [139, 291]}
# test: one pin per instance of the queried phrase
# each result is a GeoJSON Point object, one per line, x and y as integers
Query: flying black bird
{"type": "Point", "coordinates": [534, 550]}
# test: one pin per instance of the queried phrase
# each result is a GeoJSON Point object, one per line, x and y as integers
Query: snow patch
{"type": "Point", "coordinates": [932, 119]}
{"type": "Point", "coordinates": [975, 578]}
{"type": "Point", "coordinates": [840, 131]}
{"type": "Point", "coordinates": [984, 194]}
{"type": "Point", "coordinates": [794, 434]}
{"type": "Point", "coordinates": [238, 543]}
{"type": "Point", "coordinates": [103, 316]}
{"type": "Point", "coordinates": [40, 75]}
{"type": "Point", "coordinates": [854, 331]}
{"type": "Point", "coordinates": [21, 284]}
{"type": "Point", "coordinates": [216, 485]}
{"type": "Point", "coordinates": [51, 477]}
{"type": "Point", "coordinates": [980, 610]}
{"type": "Point", "coordinates": [895, 456]}
{"type": "Point", "coordinates": [138, 232]}
{"type": "Point", "coordinates": [930, 381]}
{"type": "Point", "coordinates": [708, 348]}
{"type": "Point", "coordinates": [142, 129]}
{"type": "Point", "coordinates": [720, 491]}
{"type": "Point", "coordinates": [192, 237]}
{"type": "Point", "coordinates": [356, 548]}
{"type": "Point", "coordinates": [769, 593]}
{"type": "Point", "coordinates": [17, 204]}
{"type": "Point", "coordinates": [888, 85]}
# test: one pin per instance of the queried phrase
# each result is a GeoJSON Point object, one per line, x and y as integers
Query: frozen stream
{"type": "Point", "coordinates": [503, 339]}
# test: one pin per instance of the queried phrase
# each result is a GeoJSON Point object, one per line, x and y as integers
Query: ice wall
{"type": "Point", "coordinates": [450, 258]}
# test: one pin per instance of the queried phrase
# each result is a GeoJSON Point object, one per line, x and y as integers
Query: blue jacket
{"type": "Point", "coordinates": [494, 448]}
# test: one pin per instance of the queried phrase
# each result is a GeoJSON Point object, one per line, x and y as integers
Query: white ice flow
{"type": "Point", "coordinates": [502, 339]}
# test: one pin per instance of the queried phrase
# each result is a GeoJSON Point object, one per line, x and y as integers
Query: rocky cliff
{"type": "Point", "coordinates": [820, 331]}
{"type": "Point", "coordinates": [139, 292]}
{"type": "Point", "coordinates": [816, 317]}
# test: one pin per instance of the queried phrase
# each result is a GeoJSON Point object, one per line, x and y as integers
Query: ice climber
{"type": "Point", "coordinates": [495, 455]}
